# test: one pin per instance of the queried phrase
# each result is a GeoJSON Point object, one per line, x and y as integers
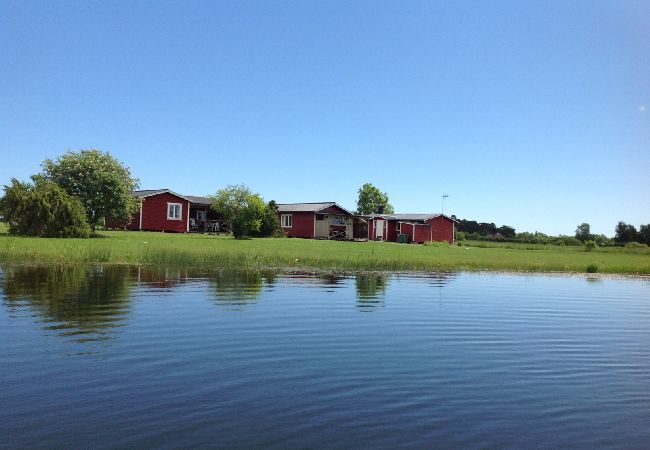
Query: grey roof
{"type": "Point", "coordinates": [199, 200]}
{"type": "Point", "coordinates": [191, 198]}
{"type": "Point", "coordinates": [409, 217]}
{"type": "Point", "coordinates": [307, 207]}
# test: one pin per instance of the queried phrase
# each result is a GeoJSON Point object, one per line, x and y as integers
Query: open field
{"type": "Point", "coordinates": [197, 250]}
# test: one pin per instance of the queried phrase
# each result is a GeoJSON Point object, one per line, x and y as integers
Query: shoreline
{"type": "Point", "coordinates": [318, 271]}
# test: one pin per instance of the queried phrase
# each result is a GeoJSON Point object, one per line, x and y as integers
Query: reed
{"type": "Point", "coordinates": [196, 250]}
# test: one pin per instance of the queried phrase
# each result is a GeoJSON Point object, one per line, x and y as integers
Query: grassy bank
{"type": "Point", "coordinates": [221, 251]}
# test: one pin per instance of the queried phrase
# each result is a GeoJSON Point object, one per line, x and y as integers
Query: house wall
{"type": "Point", "coordinates": [408, 230]}
{"type": "Point", "coordinates": [135, 221]}
{"type": "Point", "coordinates": [422, 233]}
{"type": "Point", "coordinates": [154, 214]}
{"type": "Point", "coordinates": [302, 226]}
{"type": "Point", "coordinates": [442, 229]}
{"type": "Point", "coordinates": [391, 231]}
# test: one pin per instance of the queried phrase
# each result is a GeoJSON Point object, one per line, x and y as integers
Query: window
{"type": "Point", "coordinates": [337, 220]}
{"type": "Point", "coordinates": [174, 211]}
{"type": "Point", "coordinates": [399, 227]}
{"type": "Point", "coordinates": [286, 220]}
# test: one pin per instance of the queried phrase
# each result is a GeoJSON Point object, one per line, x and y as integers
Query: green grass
{"type": "Point", "coordinates": [196, 250]}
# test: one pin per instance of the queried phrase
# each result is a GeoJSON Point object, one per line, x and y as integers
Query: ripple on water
{"type": "Point", "coordinates": [132, 357]}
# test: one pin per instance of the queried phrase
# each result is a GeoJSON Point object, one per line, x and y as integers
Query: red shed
{"type": "Point", "coordinates": [417, 227]}
{"type": "Point", "coordinates": [324, 220]}
{"type": "Point", "coordinates": [165, 210]}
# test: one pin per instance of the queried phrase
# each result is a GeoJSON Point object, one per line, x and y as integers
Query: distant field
{"type": "Point", "coordinates": [197, 250]}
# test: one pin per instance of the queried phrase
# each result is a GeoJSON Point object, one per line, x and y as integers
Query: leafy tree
{"type": "Point", "coordinates": [644, 234]}
{"type": "Point", "coordinates": [103, 184]}
{"type": "Point", "coordinates": [372, 200]}
{"type": "Point", "coordinates": [625, 233]}
{"type": "Point", "coordinates": [42, 209]}
{"type": "Point", "coordinates": [240, 208]}
{"type": "Point", "coordinates": [583, 232]}
{"type": "Point", "coordinates": [602, 240]}
{"type": "Point", "coordinates": [269, 225]}
{"type": "Point", "coordinates": [506, 231]}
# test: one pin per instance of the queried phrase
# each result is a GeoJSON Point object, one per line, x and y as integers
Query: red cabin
{"type": "Point", "coordinates": [165, 210]}
{"type": "Point", "coordinates": [418, 228]}
{"type": "Point", "coordinates": [324, 220]}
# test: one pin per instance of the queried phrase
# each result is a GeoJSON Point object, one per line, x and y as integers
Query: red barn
{"type": "Point", "coordinates": [165, 210]}
{"type": "Point", "coordinates": [324, 220]}
{"type": "Point", "coordinates": [417, 227]}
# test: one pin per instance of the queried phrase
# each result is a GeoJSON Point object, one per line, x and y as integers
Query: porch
{"type": "Point", "coordinates": [205, 220]}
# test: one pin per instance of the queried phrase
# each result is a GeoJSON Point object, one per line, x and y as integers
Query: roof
{"type": "Point", "coordinates": [409, 217]}
{"type": "Point", "coordinates": [307, 207]}
{"type": "Point", "coordinates": [190, 198]}
{"type": "Point", "coordinates": [199, 200]}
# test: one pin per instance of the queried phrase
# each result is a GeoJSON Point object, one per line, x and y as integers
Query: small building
{"type": "Point", "coordinates": [418, 228]}
{"type": "Point", "coordinates": [165, 210]}
{"type": "Point", "coordinates": [323, 220]}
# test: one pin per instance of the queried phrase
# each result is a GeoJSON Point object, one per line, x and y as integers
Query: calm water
{"type": "Point", "coordinates": [128, 357]}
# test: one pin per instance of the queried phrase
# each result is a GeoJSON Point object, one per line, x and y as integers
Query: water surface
{"type": "Point", "coordinates": [116, 356]}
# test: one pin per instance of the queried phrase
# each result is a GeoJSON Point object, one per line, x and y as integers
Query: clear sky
{"type": "Point", "coordinates": [534, 114]}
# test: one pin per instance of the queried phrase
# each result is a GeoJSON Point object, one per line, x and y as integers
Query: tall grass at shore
{"type": "Point", "coordinates": [207, 251]}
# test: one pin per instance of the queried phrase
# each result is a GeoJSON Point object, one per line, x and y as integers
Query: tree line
{"type": "Point", "coordinates": [80, 191]}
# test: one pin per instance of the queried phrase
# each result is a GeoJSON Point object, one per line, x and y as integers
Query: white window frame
{"type": "Point", "coordinates": [286, 220]}
{"type": "Point", "coordinates": [399, 227]}
{"type": "Point", "coordinates": [173, 215]}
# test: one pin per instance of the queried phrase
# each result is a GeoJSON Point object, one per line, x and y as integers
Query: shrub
{"type": "Point", "coordinates": [566, 240]}
{"type": "Point", "coordinates": [635, 245]}
{"type": "Point", "coordinates": [590, 245]}
{"type": "Point", "coordinates": [436, 244]}
{"type": "Point", "coordinates": [43, 209]}
{"type": "Point", "coordinates": [241, 209]}
{"type": "Point", "coordinates": [592, 268]}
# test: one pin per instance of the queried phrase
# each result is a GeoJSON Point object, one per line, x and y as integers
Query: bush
{"type": "Point", "coordinates": [592, 268]}
{"type": "Point", "coordinates": [436, 244]}
{"type": "Point", "coordinates": [566, 240]}
{"type": "Point", "coordinates": [590, 245]}
{"type": "Point", "coordinates": [635, 245]}
{"type": "Point", "coordinates": [43, 209]}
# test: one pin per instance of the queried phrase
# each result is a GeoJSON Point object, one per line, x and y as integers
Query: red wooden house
{"type": "Point", "coordinates": [418, 228]}
{"type": "Point", "coordinates": [324, 220]}
{"type": "Point", "coordinates": [165, 210]}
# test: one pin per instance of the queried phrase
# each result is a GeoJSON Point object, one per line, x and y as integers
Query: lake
{"type": "Point", "coordinates": [117, 356]}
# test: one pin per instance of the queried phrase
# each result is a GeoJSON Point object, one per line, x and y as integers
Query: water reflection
{"type": "Point", "coordinates": [159, 278]}
{"type": "Point", "coordinates": [235, 289]}
{"type": "Point", "coordinates": [86, 302]}
{"type": "Point", "coordinates": [371, 291]}
{"type": "Point", "coordinates": [435, 279]}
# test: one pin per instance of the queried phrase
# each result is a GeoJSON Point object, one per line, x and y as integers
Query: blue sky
{"type": "Point", "coordinates": [534, 114]}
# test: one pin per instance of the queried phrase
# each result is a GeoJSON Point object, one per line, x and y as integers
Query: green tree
{"type": "Point", "coordinates": [644, 234]}
{"type": "Point", "coordinates": [506, 231]}
{"type": "Point", "coordinates": [583, 232]}
{"type": "Point", "coordinates": [42, 209]}
{"type": "Point", "coordinates": [241, 209]}
{"type": "Point", "coordinates": [372, 200]}
{"type": "Point", "coordinates": [102, 183]}
{"type": "Point", "coordinates": [625, 233]}
{"type": "Point", "coordinates": [270, 224]}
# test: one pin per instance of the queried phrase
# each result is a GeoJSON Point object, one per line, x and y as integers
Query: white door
{"type": "Point", "coordinates": [322, 228]}
{"type": "Point", "coordinates": [379, 229]}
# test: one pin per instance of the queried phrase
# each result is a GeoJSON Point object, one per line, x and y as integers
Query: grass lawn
{"type": "Point", "coordinates": [197, 250]}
